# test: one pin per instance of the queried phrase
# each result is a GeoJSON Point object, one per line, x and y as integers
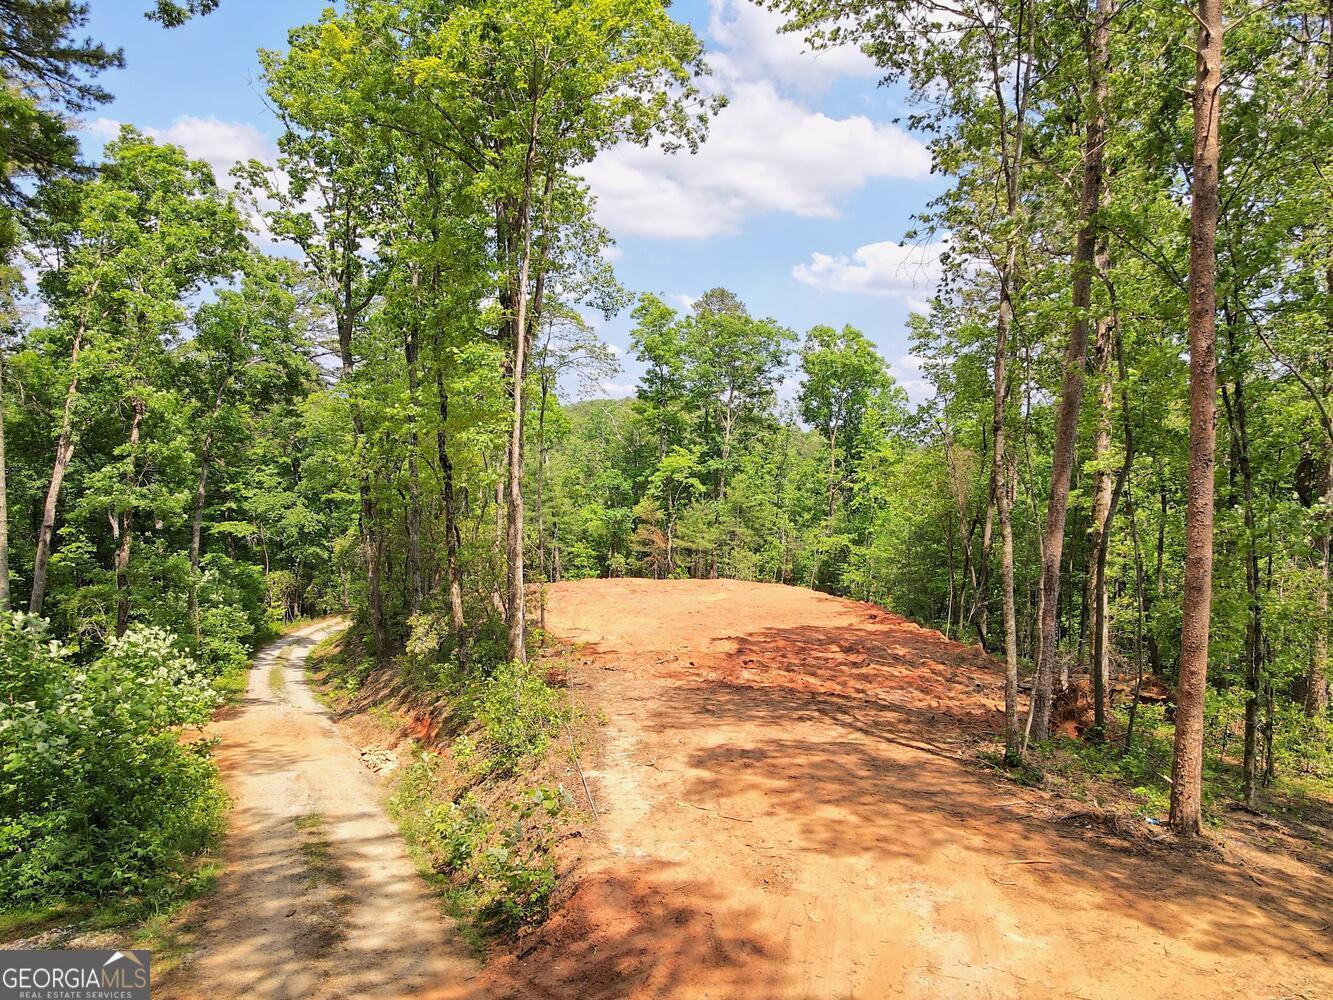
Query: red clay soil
{"type": "Point", "coordinates": [786, 811]}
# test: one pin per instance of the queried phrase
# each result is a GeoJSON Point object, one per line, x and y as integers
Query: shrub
{"type": "Point", "coordinates": [518, 712]}
{"type": "Point", "coordinates": [517, 876]}
{"type": "Point", "coordinates": [459, 829]}
{"type": "Point", "coordinates": [98, 794]}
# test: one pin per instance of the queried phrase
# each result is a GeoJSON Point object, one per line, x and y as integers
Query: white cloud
{"type": "Point", "coordinates": [908, 272]}
{"type": "Point", "coordinates": [105, 129]}
{"type": "Point", "coordinates": [619, 390]}
{"type": "Point", "coordinates": [685, 302]}
{"type": "Point", "coordinates": [31, 306]}
{"type": "Point", "coordinates": [765, 153]}
{"type": "Point", "coordinates": [754, 47]}
{"type": "Point", "coordinates": [220, 144]}
{"type": "Point", "coordinates": [907, 371]}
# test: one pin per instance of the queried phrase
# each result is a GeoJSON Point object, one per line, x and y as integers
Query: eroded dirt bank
{"type": "Point", "coordinates": [784, 814]}
{"type": "Point", "coordinates": [318, 898]}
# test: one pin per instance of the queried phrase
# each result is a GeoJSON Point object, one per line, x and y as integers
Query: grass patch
{"type": "Point", "coordinates": [1137, 779]}
{"type": "Point", "coordinates": [26, 921]}
{"type": "Point", "coordinates": [316, 850]}
{"type": "Point", "coordinates": [492, 867]}
{"type": "Point", "coordinates": [162, 925]}
{"type": "Point", "coordinates": [277, 679]}
{"type": "Point", "coordinates": [324, 878]}
{"type": "Point", "coordinates": [232, 683]}
{"type": "Point", "coordinates": [338, 665]}
{"type": "Point", "coordinates": [385, 717]}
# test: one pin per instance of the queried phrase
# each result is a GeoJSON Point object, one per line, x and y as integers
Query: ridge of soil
{"type": "Point", "coordinates": [786, 811]}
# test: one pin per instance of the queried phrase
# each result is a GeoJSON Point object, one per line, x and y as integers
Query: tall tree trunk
{"type": "Point", "coordinates": [127, 526]}
{"type": "Point", "coordinates": [366, 510]}
{"type": "Point", "coordinates": [1071, 391]}
{"type": "Point", "coordinates": [452, 536]}
{"type": "Point", "coordinates": [64, 454]}
{"type": "Point", "coordinates": [197, 521]}
{"type": "Point", "coordinates": [1316, 689]}
{"type": "Point", "coordinates": [4, 502]}
{"type": "Point", "coordinates": [1001, 474]}
{"type": "Point", "coordinates": [981, 596]}
{"type": "Point", "coordinates": [541, 493]}
{"type": "Point", "coordinates": [411, 351]}
{"type": "Point", "coordinates": [498, 541]}
{"type": "Point", "coordinates": [1317, 680]}
{"type": "Point", "coordinates": [515, 597]}
{"type": "Point", "coordinates": [1098, 534]}
{"type": "Point", "coordinates": [1001, 477]}
{"type": "Point", "coordinates": [1240, 449]}
{"type": "Point", "coordinates": [1187, 764]}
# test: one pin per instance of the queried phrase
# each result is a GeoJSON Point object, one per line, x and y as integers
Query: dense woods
{"type": "Point", "coordinates": [1123, 471]}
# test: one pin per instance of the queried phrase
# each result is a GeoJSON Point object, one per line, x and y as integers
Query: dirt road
{"type": "Point", "coordinates": [785, 815]}
{"type": "Point", "coordinates": [318, 899]}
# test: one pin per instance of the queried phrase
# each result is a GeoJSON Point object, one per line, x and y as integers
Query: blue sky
{"type": "Point", "coordinates": [798, 201]}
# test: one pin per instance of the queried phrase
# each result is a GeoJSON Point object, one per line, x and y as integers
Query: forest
{"type": "Point", "coordinates": [366, 379]}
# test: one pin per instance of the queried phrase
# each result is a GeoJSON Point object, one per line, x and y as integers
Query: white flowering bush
{"type": "Point", "coordinates": [99, 793]}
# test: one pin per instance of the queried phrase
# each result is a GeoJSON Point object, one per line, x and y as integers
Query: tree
{"type": "Point", "coordinates": [323, 199]}
{"type": "Point", "coordinates": [843, 373]}
{"type": "Point", "coordinates": [245, 352]}
{"type": "Point", "coordinates": [559, 81]}
{"type": "Point", "coordinates": [1187, 764]}
{"type": "Point", "coordinates": [1071, 392]}
{"type": "Point", "coordinates": [150, 229]}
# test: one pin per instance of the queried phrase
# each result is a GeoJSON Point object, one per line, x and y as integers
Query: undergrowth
{"type": "Point", "coordinates": [477, 812]}
{"type": "Point", "coordinates": [493, 865]}
{"type": "Point", "coordinates": [1136, 777]}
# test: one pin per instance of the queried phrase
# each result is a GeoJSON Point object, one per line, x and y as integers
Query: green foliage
{"type": "Point", "coordinates": [459, 829]}
{"type": "Point", "coordinates": [518, 712]}
{"type": "Point", "coordinates": [516, 876]}
{"type": "Point", "coordinates": [100, 796]}
{"type": "Point", "coordinates": [1143, 769]}
{"type": "Point", "coordinates": [500, 873]}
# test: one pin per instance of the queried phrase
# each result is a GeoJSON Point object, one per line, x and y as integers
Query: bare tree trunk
{"type": "Point", "coordinates": [1138, 620]}
{"type": "Point", "coordinates": [498, 541]}
{"type": "Point", "coordinates": [452, 536]}
{"type": "Point", "coordinates": [369, 547]}
{"type": "Point", "coordinates": [127, 527]}
{"type": "Point", "coordinates": [4, 502]}
{"type": "Point", "coordinates": [64, 454]}
{"type": "Point", "coordinates": [1103, 485]}
{"type": "Point", "coordinates": [515, 597]}
{"type": "Point", "coordinates": [1187, 764]}
{"type": "Point", "coordinates": [541, 494]}
{"type": "Point", "coordinates": [1071, 392]}
{"type": "Point", "coordinates": [411, 351]}
{"type": "Point", "coordinates": [197, 521]}
{"type": "Point", "coordinates": [1000, 474]}
{"type": "Point", "coordinates": [1316, 691]}
{"type": "Point", "coordinates": [1316, 681]}
{"type": "Point", "coordinates": [981, 596]}
{"type": "Point", "coordinates": [1240, 449]}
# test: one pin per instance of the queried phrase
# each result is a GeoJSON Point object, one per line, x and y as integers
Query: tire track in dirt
{"type": "Point", "coordinates": [785, 814]}
{"type": "Point", "coordinates": [318, 898]}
